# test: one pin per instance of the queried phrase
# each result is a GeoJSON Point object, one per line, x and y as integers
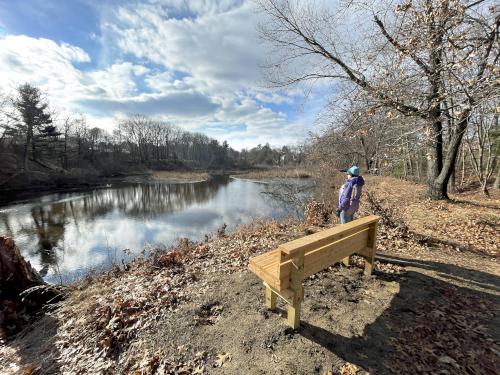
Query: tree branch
{"type": "Point", "coordinates": [401, 48]}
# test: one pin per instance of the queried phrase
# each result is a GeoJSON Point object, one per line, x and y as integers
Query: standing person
{"type": "Point", "coordinates": [349, 195]}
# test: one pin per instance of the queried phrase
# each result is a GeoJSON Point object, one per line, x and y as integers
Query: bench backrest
{"type": "Point", "coordinates": [321, 250]}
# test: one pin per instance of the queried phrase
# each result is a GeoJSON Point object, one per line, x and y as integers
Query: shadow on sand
{"type": "Point", "coordinates": [444, 320]}
{"type": "Point", "coordinates": [36, 347]}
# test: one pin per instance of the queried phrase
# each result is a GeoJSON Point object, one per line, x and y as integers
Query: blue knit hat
{"type": "Point", "coordinates": [353, 171]}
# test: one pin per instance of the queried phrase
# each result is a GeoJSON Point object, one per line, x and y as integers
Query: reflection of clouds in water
{"type": "Point", "coordinates": [121, 233]}
{"type": "Point", "coordinates": [103, 242]}
{"type": "Point", "coordinates": [195, 216]}
{"type": "Point", "coordinates": [75, 232]}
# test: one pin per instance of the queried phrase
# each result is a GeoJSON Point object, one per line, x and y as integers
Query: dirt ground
{"type": "Point", "coordinates": [387, 323]}
{"type": "Point", "coordinates": [429, 307]}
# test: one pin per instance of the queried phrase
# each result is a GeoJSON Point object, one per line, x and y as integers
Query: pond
{"type": "Point", "coordinates": [65, 235]}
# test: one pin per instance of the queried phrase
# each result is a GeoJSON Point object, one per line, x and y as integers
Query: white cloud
{"type": "Point", "coordinates": [181, 104]}
{"type": "Point", "coordinates": [193, 63]}
{"type": "Point", "coordinates": [50, 66]}
{"type": "Point", "coordinates": [41, 62]}
{"type": "Point", "coordinates": [273, 98]}
{"type": "Point", "coordinates": [199, 6]}
{"type": "Point", "coordinates": [217, 47]}
{"type": "Point", "coordinates": [117, 80]}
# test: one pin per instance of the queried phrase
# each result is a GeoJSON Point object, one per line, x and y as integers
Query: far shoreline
{"type": "Point", "coordinates": [18, 195]}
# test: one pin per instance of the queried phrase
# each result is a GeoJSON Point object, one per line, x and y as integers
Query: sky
{"type": "Point", "coordinates": [194, 63]}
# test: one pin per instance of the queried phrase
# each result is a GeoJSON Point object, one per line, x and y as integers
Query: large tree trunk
{"type": "Point", "coordinates": [438, 187]}
{"type": "Point", "coordinates": [496, 185]}
{"type": "Point", "coordinates": [17, 276]}
{"type": "Point", "coordinates": [29, 136]}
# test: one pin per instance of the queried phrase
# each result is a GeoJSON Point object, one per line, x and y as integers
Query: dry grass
{"type": "Point", "coordinates": [176, 176]}
{"type": "Point", "coordinates": [260, 174]}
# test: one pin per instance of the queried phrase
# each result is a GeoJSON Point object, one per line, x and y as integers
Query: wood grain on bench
{"type": "Point", "coordinates": [283, 269]}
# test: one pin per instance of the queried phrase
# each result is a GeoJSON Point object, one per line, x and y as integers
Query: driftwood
{"type": "Point", "coordinates": [22, 289]}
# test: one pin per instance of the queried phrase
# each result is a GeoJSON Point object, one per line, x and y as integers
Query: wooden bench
{"type": "Point", "coordinates": [283, 269]}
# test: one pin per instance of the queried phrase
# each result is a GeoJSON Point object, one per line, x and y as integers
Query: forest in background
{"type": "Point", "coordinates": [40, 145]}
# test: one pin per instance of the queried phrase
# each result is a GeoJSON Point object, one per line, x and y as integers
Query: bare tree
{"type": "Point", "coordinates": [68, 123]}
{"type": "Point", "coordinates": [483, 142]}
{"type": "Point", "coordinates": [401, 61]}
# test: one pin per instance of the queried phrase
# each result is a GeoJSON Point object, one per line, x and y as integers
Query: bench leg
{"type": "Point", "coordinates": [297, 275]}
{"type": "Point", "coordinates": [372, 248]}
{"type": "Point", "coordinates": [369, 264]}
{"type": "Point", "coordinates": [346, 261]}
{"type": "Point", "coordinates": [270, 299]}
{"type": "Point", "coordinates": [294, 315]}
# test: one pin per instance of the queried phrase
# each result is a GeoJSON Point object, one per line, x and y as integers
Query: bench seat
{"type": "Point", "coordinates": [266, 266]}
{"type": "Point", "coordinates": [282, 270]}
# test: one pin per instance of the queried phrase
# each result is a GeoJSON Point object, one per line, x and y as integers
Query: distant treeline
{"type": "Point", "coordinates": [36, 139]}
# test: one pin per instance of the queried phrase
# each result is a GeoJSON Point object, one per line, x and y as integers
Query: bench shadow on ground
{"type": "Point", "coordinates": [433, 325]}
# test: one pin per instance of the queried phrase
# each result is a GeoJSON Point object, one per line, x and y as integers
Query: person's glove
{"type": "Point", "coordinates": [338, 213]}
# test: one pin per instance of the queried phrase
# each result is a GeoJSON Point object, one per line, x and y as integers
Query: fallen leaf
{"type": "Point", "coordinates": [349, 369]}
{"type": "Point", "coordinates": [222, 358]}
{"type": "Point", "coordinates": [448, 360]}
{"type": "Point", "coordinates": [30, 369]}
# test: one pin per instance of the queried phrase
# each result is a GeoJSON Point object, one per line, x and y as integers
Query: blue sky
{"type": "Point", "coordinates": [194, 63]}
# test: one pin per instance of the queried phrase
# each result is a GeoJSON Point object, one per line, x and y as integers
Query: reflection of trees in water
{"type": "Point", "coordinates": [145, 200]}
{"type": "Point", "coordinates": [289, 194]}
{"type": "Point", "coordinates": [6, 224]}
{"type": "Point", "coordinates": [49, 227]}
{"type": "Point", "coordinates": [47, 223]}
{"type": "Point", "coordinates": [150, 200]}
{"type": "Point", "coordinates": [46, 228]}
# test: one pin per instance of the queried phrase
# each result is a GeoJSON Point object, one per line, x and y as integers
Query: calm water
{"type": "Point", "coordinates": [65, 235]}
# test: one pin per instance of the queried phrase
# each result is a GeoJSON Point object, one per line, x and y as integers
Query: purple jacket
{"type": "Point", "coordinates": [350, 194]}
